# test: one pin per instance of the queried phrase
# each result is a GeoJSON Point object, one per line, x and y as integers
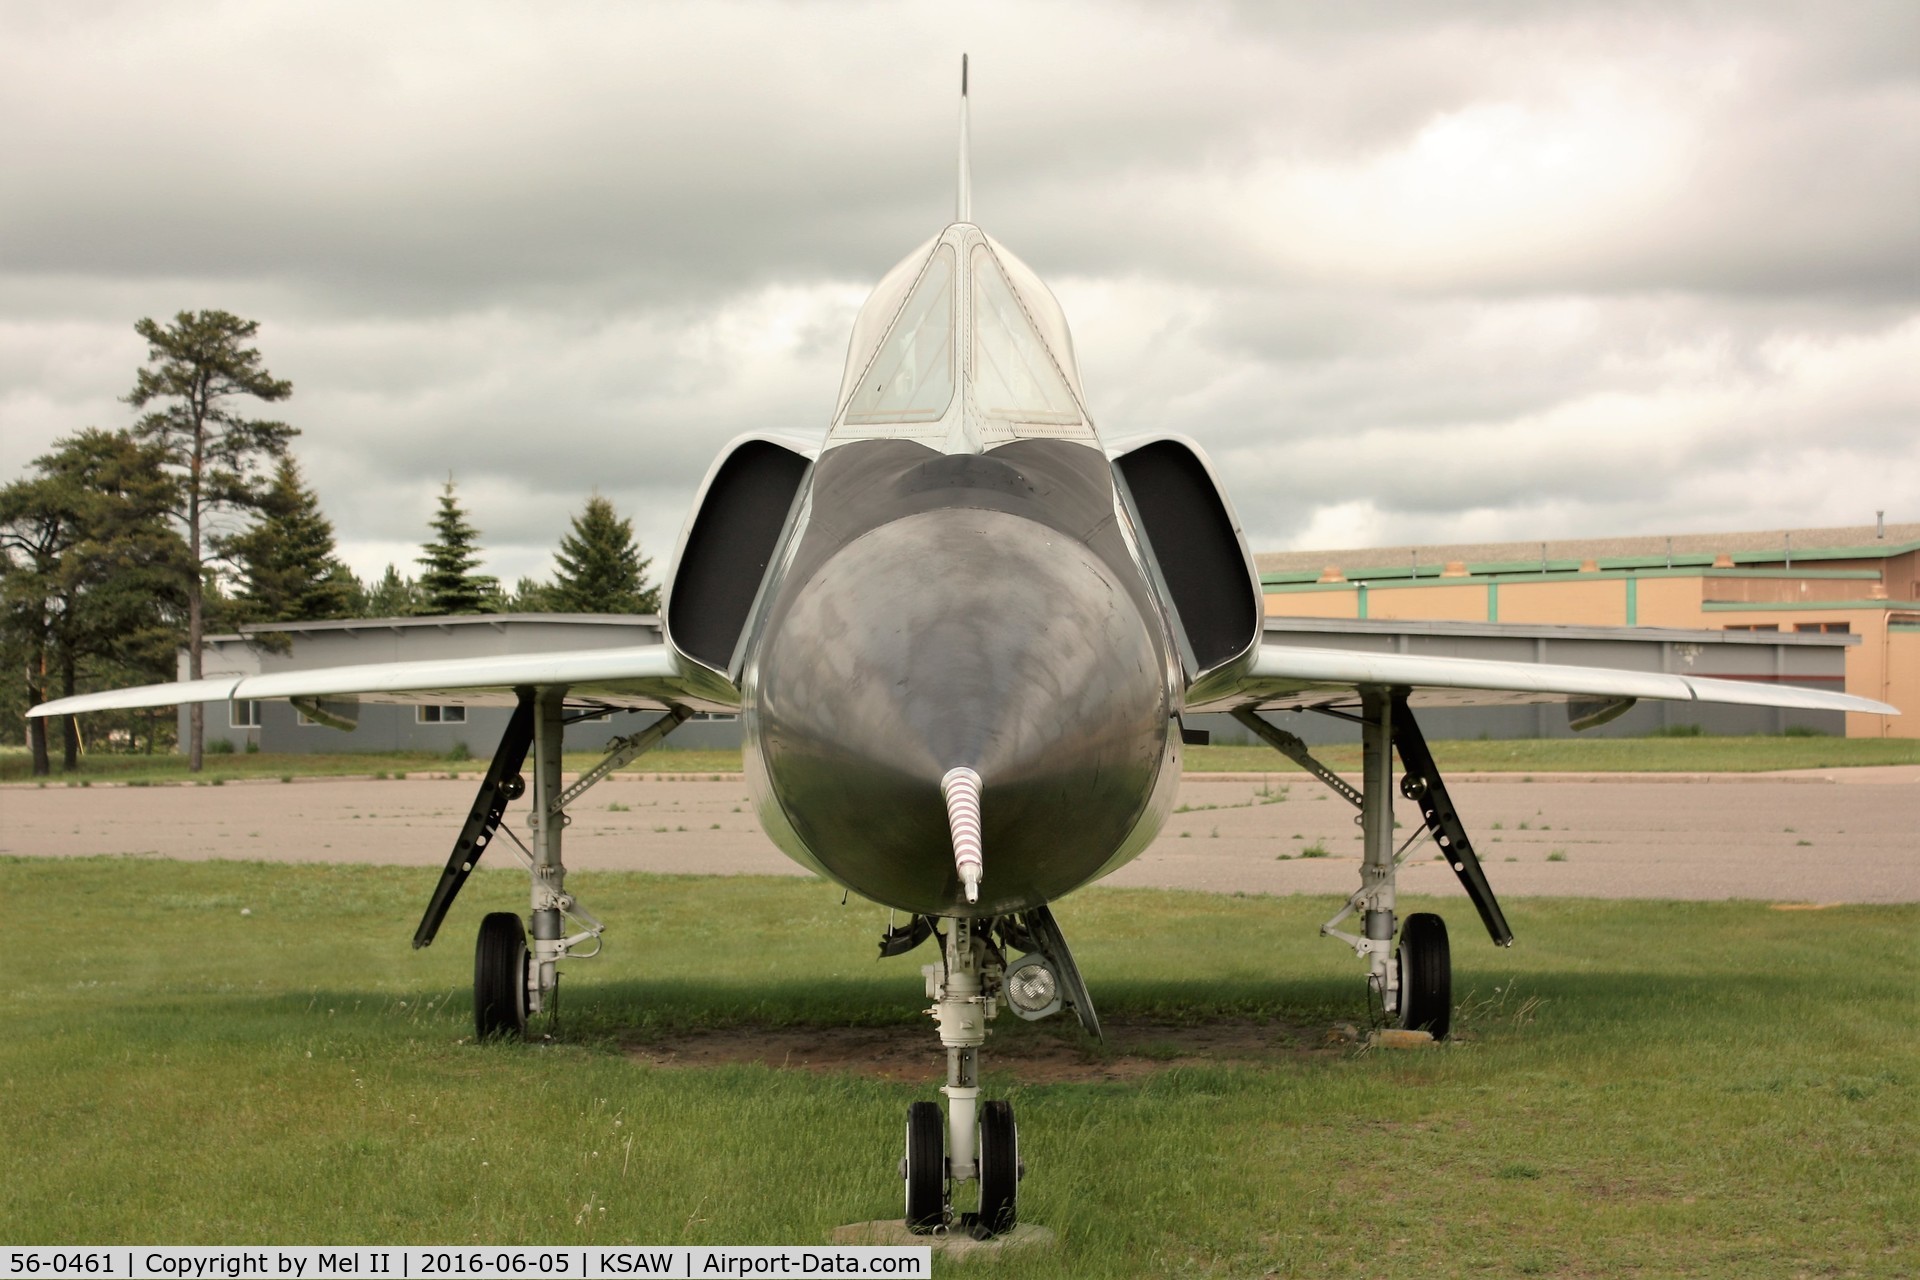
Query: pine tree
{"type": "Point", "coordinates": [94, 582]}
{"type": "Point", "coordinates": [530, 595]}
{"type": "Point", "coordinates": [393, 596]}
{"type": "Point", "coordinates": [448, 584]}
{"type": "Point", "coordinates": [195, 366]}
{"type": "Point", "coordinates": [289, 569]}
{"type": "Point", "coordinates": [601, 569]}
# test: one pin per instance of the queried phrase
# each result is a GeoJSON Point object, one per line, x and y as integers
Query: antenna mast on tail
{"type": "Point", "coordinates": [963, 211]}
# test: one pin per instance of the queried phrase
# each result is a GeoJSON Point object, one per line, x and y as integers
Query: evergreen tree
{"type": "Point", "coordinates": [194, 367]}
{"type": "Point", "coordinates": [530, 595]}
{"type": "Point", "coordinates": [94, 582]}
{"type": "Point", "coordinates": [289, 571]}
{"type": "Point", "coordinates": [448, 583]}
{"type": "Point", "coordinates": [393, 596]}
{"type": "Point", "coordinates": [601, 569]}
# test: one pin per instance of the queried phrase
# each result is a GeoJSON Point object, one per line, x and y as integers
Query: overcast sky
{"type": "Point", "coordinates": [1410, 273]}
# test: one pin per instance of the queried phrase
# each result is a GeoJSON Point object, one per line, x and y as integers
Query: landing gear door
{"type": "Point", "coordinates": [732, 538]}
{"type": "Point", "coordinates": [1198, 555]}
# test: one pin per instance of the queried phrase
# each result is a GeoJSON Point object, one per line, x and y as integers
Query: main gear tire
{"type": "Point", "coordinates": [1426, 975]}
{"type": "Point", "coordinates": [500, 971]}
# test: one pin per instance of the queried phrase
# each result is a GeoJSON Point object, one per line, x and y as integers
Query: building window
{"type": "Point", "coordinates": [243, 714]}
{"type": "Point", "coordinates": [1827, 628]}
{"type": "Point", "coordinates": [304, 720]}
{"type": "Point", "coordinates": [716, 716]}
{"type": "Point", "coordinates": [439, 715]}
{"type": "Point", "coordinates": [1752, 626]}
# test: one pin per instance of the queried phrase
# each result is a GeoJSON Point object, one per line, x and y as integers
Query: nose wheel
{"type": "Point", "coordinates": [926, 1170]}
{"type": "Point", "coordinates": [999, 1168]}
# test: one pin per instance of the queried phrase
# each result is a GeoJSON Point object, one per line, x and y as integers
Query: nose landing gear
{"type": "Point", "coordinates": [977, 1142]}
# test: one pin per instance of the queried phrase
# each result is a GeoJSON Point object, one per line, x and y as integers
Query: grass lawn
{"type": "Point", "coordinates": [1696, 1089]}
{"type": "Point", "coordinates": [1505, 755]}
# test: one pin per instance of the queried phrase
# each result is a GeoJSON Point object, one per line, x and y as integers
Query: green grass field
{"type": "Point", "coordinates": [1508, 755]}
{"type": "Point", "coordinates": [1695, 1089]}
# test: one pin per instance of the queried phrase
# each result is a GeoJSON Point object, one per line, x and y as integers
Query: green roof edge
{"type": "Point", "coordinates": [1287, 582]}
{"type": "Point", "coordinates": [1680, 560]}
{"type": "Point", "coordinates": [1745, 606]}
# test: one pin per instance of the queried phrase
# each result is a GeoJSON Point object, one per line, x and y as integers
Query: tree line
{"type": "Point", "coordinates": [121, 548]}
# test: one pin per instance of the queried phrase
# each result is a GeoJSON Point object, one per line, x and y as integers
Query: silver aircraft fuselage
{"type": "Point", "coordinates": [988, 610]}
{"type": "Point", "coordinates": [961, 585]}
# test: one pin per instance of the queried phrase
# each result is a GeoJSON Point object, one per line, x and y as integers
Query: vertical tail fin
{"type": "Point", "coordinates": [963, 211]}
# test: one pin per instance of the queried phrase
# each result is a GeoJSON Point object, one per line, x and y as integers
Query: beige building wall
{"type": "Point", "coordinates": [1670, 602]}
{"type": "Point", "coordinates": [1571, 602]}
{"type": "Point", "coordinates": [1901, 663]}
{"type": "Point", "coordinates": [1464, 602]}
{"type": "Point", "coordinates": [1869, 674]}
{"type": "Point", "coordinates": [1885, 665]}
{"type": "Point", "coordinates": [1313, 604]}
{"type": "Point", "coordinates": [1786, 590]}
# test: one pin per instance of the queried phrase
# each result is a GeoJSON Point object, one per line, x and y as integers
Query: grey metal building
{"type": "Point", "coordinates": [1815, 660]}
{"type": "Point", "coordinates": [277, 726]}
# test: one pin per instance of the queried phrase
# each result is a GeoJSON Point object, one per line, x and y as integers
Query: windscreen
{"type": "Point", "coordinates": [911, 377]}
{"type": "Point", "coordinates": [1014, 376]}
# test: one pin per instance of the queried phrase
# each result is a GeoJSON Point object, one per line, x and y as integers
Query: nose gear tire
{"type": "Point", "coordinates": [926, 1168]}
{"type": "Point", "coordinates": [999, 1168]}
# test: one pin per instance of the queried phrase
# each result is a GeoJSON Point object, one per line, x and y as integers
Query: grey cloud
{"type": "Point", "coordinates": [583, 248]}
{"type": "Point", "coordinates": [627, 156]}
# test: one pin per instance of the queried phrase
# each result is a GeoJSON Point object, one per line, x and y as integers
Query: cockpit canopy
{"type": "Point", "coordinates": [961, 347]}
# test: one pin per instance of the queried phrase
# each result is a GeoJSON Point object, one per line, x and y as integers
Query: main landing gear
{"type": "Point", "coordinates": [515, 978]}
{"type": "Point", "coordinates": [1413, 982]}
{"type": "Point", "coordinates": [979, 1141]}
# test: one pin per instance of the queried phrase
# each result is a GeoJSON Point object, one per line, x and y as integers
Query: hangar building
{"type": "Point", "coordinates": [1862, 583]}
{"type": "Point", "coordinates": [1816, 659]}
{"type": "Point", "coordinates": [452, 729]}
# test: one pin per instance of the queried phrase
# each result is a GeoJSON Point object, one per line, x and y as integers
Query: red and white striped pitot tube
{"type": "Point", "coordinates": [961, 787]}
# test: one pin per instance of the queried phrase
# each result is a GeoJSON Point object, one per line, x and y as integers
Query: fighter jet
{"type": "Point", "coordinates": [963, 636]}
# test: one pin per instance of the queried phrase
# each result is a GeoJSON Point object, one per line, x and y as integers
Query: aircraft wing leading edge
{"type": "Point", "coordinates": [641, 676]}
{"type": "Point", "coordinates": [1288, 676]}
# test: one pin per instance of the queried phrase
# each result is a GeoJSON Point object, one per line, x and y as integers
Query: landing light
{"type": "Point", "coordinates": [1033, 988]}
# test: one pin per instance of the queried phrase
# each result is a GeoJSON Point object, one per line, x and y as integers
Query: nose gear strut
{"type": "Point", "coordinates": [981, 1142]}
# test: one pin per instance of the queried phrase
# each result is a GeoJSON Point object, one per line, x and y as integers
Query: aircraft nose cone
{"type": "Point", "coordinates": [962, 638]}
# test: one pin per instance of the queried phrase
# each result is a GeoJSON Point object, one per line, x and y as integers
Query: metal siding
{"type": "Point", "coordinates": [394, 728]}
{"type": "Point", "coordinates": [1814, 660]}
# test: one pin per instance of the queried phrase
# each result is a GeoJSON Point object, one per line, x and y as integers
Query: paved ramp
{"type": "Point", "coordinates": [1827, 836]}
